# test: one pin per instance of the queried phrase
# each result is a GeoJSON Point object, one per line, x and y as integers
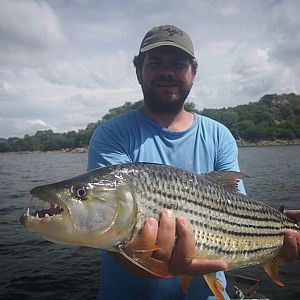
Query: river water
{"type": "Point", "coordinates": [33, 268]}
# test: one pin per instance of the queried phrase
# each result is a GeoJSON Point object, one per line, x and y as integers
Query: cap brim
{"type": "Point", "coordinates": [166, 43]}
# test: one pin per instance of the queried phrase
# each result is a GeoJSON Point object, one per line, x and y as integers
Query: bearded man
{"type": "Point", "coordinates": [162, 131]}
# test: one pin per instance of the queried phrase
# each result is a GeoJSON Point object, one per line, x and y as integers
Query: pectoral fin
{"type": "Point", "coordinates": [151, 265]}
{"type": "Point", "coordinates": [215, 285]}
{"type": "Point", "coordinates": [141, 246]}
{"type": "Point", "coordinates": [272, 269]}
{"type": "Point", "coordinates": [137, 256]}
{"type": "Point", "coordinates": [185, 281]}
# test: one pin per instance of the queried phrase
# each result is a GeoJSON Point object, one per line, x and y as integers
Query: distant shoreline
{"type": "Point", "coordinates": [240, 143]}
{"type": "Point", "coordinates": [264, 143]}
{"type": "Point", "coordinates": [75, 150]}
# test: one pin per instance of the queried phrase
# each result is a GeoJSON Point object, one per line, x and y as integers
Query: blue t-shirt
{"type": "Point", "coordinates": [132, 137]}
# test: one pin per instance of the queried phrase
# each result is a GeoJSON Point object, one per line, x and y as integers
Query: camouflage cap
{"type": "Point", "coordinates": [167, 35]}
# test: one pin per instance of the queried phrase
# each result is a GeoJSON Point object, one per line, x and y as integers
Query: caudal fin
{"type": "Point", "coordinates": [272, 269]}
{"type": "Point", "coordinates": [215, 285]}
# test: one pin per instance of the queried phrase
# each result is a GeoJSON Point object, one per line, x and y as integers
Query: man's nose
{"type": "Point", "coordinates": [167, 69]}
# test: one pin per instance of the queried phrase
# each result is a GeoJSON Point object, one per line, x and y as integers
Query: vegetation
{"type": "Point", "coordinates": [272, 117]}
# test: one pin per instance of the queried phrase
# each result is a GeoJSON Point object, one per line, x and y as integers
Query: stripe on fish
{"type": "Point", "coordinates": [107, 207]}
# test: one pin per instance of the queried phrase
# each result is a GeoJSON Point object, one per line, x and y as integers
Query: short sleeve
{"type": "Point", "coordinates": [107, 147]}
{"type": "Point", "coordinates": [227, 155]}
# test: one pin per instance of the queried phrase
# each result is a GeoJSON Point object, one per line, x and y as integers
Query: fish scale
{"type": "Point", "coordinates": [106, 208]}
{"type": "Point", "coordinates": [227, 225]}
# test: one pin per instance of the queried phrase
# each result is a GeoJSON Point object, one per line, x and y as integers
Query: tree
{"type": "Point", "coordinates": [273, 116]}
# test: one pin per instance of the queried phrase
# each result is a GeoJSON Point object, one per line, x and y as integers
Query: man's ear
{"type": "Point", "coordinates": [194, 71]}
{"type": "Point", "coordinates": [138, 73]}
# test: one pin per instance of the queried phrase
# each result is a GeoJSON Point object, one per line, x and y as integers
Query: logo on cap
{"type": "Point", "coordinates": [171, 30]}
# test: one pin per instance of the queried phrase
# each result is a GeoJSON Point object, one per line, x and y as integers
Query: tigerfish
{"type": "Point", "coordinates": [107, 207]}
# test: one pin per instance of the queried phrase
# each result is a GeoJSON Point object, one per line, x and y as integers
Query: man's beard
{"type": "Point", "coordinates": [158, 105]}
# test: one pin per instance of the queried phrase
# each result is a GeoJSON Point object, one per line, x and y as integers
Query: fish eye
{"type": "Point", "coordinates": [80, 192]}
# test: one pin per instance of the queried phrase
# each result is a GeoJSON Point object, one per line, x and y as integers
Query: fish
{"type": "Point", "coordinates": [107, 207]}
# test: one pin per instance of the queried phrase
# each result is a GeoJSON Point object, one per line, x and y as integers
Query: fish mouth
{"type": "Point", "coordinates": [40, 210]}
{"type": "Point", "coordinates": [53, 211]}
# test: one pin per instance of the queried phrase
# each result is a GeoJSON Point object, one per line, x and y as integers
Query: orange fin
{"type": "Point", "coordinates": [215, 285]}
{"type": "Point", "coordinates": [228, 179]}
{"type": "Point", "coordinates": [142, 246]}
{"type": "Point", "coordinates": [151, 265]}
{"type": "Point", "coordinates": [145, 250]}
{"type": "Point", "coordinates": [272, 269]}
{"type": "Point", "coordinates": [136, 269]}
{"type": "Point", "coordinates": [185, 281]}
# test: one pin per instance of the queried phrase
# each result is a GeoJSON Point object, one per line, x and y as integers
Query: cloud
{"type": "Point", "coordinates": [252, 63]}
{"type": "Point", "coordinates": [108, 71]}
{"type": "Point", "coordinates": [286, 22]}
{"type": "Point", "coordinates": [6, 87]}
{"type": "Point", "coordinates": [7, 91]}
{"type": "Point", "coordinates": [29, 24]}
{"type": "Point", "coordinates": [27, 28]}
{"type": "Point", "coordinates": [253, 73]}
{"type": "Point", "coordinates": [66, 63]}
{"type": "Point", "coordinates": [37, 125]}
{"type": "Point", "coordinates": [19, 128]}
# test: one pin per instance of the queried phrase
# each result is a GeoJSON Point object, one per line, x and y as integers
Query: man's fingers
{"type": "Point", "coordinates": [146, 239]}
{"type": "Point", "coordinates": [166, 235]}
{"type": "Point", "coordinates": [291, 246]}
{"type": "Point", "coordinates": [183, 261]}
{"type": "Point", "coordinates": [180, 256]}
{"type": "Point", "coordinates": [293, 214]}
{"type": "Point", "coordinates": [205, 266]}
{"type": "Point", "coordinates": [184, 250]}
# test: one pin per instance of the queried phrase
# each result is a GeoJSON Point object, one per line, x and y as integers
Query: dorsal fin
{"type": "Point", "coordinates": [281, 208]}
{"type": "Point", "coordinates": [228, 179]}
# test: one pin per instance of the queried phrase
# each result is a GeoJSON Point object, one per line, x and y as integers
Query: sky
{"type": "Point", "coordinates": [64, 63]}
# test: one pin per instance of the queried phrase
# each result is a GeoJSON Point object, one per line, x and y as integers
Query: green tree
{"type": "Point", "coordinates": [273, 116]}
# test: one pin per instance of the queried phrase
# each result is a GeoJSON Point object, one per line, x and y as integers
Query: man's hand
{"type": "Point", "coordinates": [293, 214]}
{"type": "Point", "coordinates": [291, 246]}
{"type": "Point", "coordinates": [176, 241]}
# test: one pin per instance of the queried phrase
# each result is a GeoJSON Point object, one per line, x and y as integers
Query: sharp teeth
{"type": "Point", "coordinates": [27, 212]}
{"type": "Point", "coordinates": [37, 215]}
{"type": "Point", "coordinates": [47, 216]}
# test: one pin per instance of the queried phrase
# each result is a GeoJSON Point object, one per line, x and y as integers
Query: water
{"type": "Point", "coordinates": [275, 179]}
{"type": "Point", "coordinates": [33, 268]}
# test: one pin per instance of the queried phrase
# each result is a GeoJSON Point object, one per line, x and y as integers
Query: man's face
{"type": "Point", "coordinates": [166, 78]}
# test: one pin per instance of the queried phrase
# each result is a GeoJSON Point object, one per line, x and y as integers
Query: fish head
{"type": "Point", "coordinates": [95, 209]}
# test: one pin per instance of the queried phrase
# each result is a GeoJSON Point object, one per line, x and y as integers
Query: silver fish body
{"type": "Point", "coordinates": [107, 207]}
{"type": "Point", "coordinates": [227, 225]}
